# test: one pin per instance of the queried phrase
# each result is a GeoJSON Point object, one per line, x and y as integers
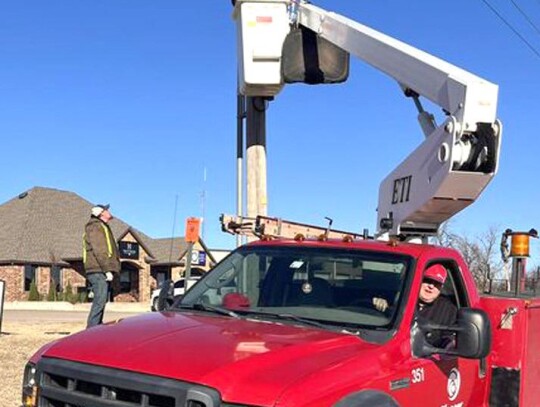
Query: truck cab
{"type": "Point", "coordinates": [284, 322]}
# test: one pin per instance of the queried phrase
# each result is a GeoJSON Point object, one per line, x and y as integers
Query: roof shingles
{"type": "Point", "coordinates": [45, 225]}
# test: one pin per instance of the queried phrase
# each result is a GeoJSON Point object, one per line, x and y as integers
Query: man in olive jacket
{"type": "Point", "coordinates": [101, 261]}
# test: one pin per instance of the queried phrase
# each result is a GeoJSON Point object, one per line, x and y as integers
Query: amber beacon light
{"type": "Point", "coordinates": [520, 243]}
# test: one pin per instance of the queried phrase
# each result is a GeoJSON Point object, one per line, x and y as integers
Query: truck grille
{"type": "Point", "coordinates": [71, 384]}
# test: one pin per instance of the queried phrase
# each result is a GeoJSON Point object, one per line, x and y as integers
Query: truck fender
{"type": "Point", "coordinates": [371, 398]}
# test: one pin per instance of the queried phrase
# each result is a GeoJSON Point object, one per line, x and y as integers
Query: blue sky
{"type": "Point", "coordinates": [129, 101]}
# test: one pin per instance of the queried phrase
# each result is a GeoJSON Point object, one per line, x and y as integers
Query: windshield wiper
{"type": "Point", "coordinates": [210, 308]}
{"type": "Point", "coordinates": [306, 321]}
{"type": "Point", "coordinates": [292, 317]}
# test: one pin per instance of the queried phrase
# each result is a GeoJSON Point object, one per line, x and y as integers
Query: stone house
{"type": "Point", "coordinates": [41, 240]}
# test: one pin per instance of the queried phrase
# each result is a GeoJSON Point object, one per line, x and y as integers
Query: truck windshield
{"type": "Point", "coordinates": [334, 287]}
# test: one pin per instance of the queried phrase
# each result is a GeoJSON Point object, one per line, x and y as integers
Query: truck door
{"type": "Point", "coordinates": [448, 381]}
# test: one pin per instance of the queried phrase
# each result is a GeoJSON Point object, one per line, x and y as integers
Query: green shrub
{"type": "Point", "coordinates": [52, 295]}
{"type": "Point", "coordinates": [83, 296]}
{"type": "Point", "coordinates": [33, 295]}
{"type": "Point", "coordinates": [69, 296]}
{"type": "Point", "coordinates": [68, 291]}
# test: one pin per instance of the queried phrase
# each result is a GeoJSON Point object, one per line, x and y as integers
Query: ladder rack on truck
{"type": "Point", "coordinates": [269, 227]}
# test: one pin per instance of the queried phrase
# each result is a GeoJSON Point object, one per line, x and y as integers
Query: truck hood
{"type": "Point", "coordinates": [224, 353]}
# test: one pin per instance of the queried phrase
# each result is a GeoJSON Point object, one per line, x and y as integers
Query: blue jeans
{"type": "Point", "coordinates": [99, 285]}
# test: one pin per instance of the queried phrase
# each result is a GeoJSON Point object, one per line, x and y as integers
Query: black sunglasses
{"type": "Point", "coordinates": [435, 283]}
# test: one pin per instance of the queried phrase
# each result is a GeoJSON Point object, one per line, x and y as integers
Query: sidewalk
{"type": "Point", "coordinates": [135, 307]}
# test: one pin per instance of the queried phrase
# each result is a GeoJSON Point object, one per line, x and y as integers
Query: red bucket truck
{"type": "Point", "coordinates": [289, 320]}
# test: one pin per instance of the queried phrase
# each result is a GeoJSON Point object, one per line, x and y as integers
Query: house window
{"type": "Point", "coordinates": [56, 278]}
{"type": "Point", "coordinates": [125, 281]}
{"type": "Point", "coordinates": [129, 278]}
{"type": "Point", "coordinates": [29, 275]}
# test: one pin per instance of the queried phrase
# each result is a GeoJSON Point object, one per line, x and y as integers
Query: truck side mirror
{"type": "Point", "coordinates": [473, 333]}
{"type": "Point", "coordinates": [472, 336]}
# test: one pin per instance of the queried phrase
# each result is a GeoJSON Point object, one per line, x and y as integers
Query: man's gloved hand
{"type": "Point", "coordinates": [109, 276]}
{"type": "Point", "coordinates": [380, 304]}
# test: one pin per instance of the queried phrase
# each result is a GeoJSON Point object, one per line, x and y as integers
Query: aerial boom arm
{"type": "Point", "coordinates": [467, 97]}
{"type": "Point", "coordinates": [451, 168]}
{"type": "Point", "coordinates": [459, 157]}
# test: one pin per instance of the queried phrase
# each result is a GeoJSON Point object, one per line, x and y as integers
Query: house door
{"type": "Point", "coordinates": [129, 281]}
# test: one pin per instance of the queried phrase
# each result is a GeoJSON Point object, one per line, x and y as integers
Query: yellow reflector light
{"type": "Point", "coordinates": [520, 245]}
{"type": "Point", "coordinates": [30, 400]}
{"type": "Point", "coordinates": [392, 242]}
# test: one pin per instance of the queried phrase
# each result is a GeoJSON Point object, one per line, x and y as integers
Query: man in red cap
{"type": "Point", "coordinates": [434, 308]}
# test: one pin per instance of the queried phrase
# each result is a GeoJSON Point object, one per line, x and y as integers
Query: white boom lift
{"type": "Point", "coordinates": [458, 157]}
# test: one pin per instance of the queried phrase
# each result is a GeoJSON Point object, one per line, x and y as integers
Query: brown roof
{"type": "Point", "coordinates": [173, 250]}
{"type": "Point", "coordinates": [45, 225]}
{"type": "Point", "coordinates": [168, 250]}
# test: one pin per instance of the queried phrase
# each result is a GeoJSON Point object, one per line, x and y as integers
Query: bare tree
{"type": "Point", "coordinates": [480, 252]}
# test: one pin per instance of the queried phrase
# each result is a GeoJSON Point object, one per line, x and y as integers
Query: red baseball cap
{"type": "Point", "coordinates": [436, 273]}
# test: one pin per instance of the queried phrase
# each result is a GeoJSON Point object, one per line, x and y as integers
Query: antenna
{"type": "Point", "coordinates": [173, 225]}
{"type": "Point", "coordinates": [203, 202]}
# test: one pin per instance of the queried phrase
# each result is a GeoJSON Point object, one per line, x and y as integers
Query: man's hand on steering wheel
{"type": "Point", "coordinates": [380, 304]}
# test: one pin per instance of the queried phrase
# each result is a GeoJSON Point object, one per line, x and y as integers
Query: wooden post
{"type": "Point", "coordinates": [256, 156]}
{"type": "Point", "coordinates": [192, 236]}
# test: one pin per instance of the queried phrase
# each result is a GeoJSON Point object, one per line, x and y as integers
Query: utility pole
{"type": "Point", "coordinates": [240, 116]}
{"type": "Point", "coordinates": [256, 156]}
